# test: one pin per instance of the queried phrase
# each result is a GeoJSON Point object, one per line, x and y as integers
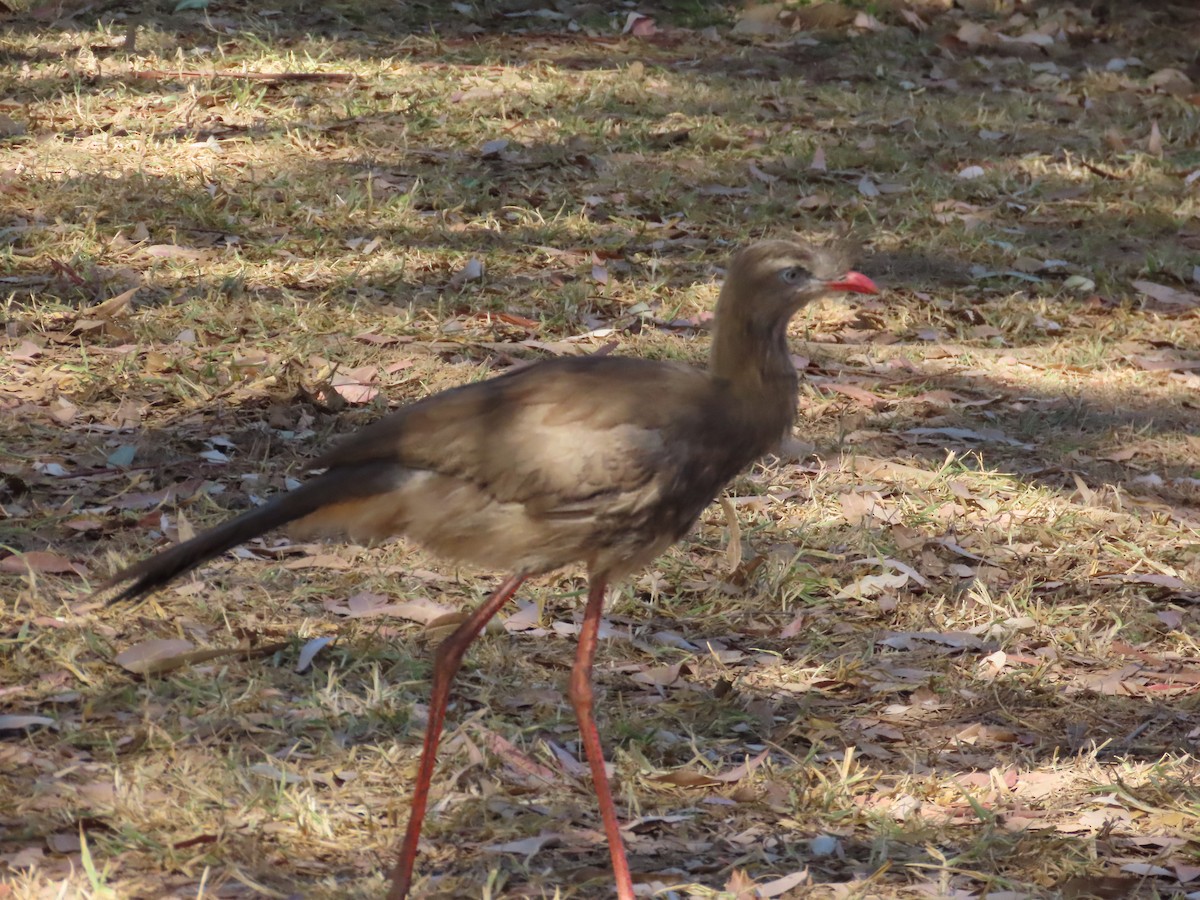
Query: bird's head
{"type": "Point", "coordinates": [765, 285]}
{"type": "Point", "coordinates": [775, 278]}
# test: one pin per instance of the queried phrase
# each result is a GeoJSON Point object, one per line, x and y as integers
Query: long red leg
{"type": "Point", "coordinates": [446, 662]}
{"type": "Point", "coordinates": [581, 699]}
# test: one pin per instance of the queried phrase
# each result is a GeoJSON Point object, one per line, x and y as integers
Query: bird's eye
{"type": "Point", "coordinates": [793, 275]}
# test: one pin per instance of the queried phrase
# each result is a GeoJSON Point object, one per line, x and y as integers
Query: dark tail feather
{"type": "Point", "coordinates": [335, 486]}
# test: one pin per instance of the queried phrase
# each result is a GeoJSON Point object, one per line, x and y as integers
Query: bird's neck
{"type": "Point", "coordinates": [751, 360]}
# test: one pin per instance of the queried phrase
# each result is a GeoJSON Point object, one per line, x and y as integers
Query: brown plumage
{"type": "Point", "coordinates": [605, 461]}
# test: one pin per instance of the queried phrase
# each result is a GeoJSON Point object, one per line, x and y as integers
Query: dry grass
{"type": "Point", "coordinates": [959, 648]}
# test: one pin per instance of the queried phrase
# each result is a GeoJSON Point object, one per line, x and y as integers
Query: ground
{"type": "Point", "coordinates": [945, 642]}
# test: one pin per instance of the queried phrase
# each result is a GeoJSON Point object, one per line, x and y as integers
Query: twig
{"type": "Point", "coordinates": [251, 76]}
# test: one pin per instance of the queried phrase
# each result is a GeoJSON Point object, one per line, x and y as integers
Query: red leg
{"type": "Point", "coordinates": [581, 699]}
{"type": "Point", "coordinates": [446, 662]}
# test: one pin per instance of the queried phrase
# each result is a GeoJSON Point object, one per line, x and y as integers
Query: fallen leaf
{"type": "Point", "coordinates": [1154, 143]}
{"type": "Point", "coordinates": [267, 770]}
{"type": "Point", "coordinates": [857, 506]}
{"type": "Point", "coordinates": [687, 778]}
{"type": "Point", "coordinates": [813, 201]}
{"type": "Point", "coordinates": [356, 386]}
{"type": "Point", "coordinates": [911, 640]}
{"type": "Point", "coordinates": [64, 842]}
{"type": "Point", "coordinates": [988, 435]}
{"type": "Point", "coordinates": [155, 655]}
{"type": "Point", "coordinates": [866, 398]}
{"type": "Point", "coordinates": [661, 676]}
{"type": "Point", "coordinates": [310, 649]}
{"type": "Point", "coordinates": [472, 270]}
{"type": "Point", "coordinates": [366, 605]}
{"type": "Point", "coordinates": [740, 886]}
{"type": "Point", "coordinates": [733, 553]}
{"type": "Point", "coordinates": [27, 351]}
{"type": "Point", "coordinates": [321, 561]}
{"type": "Point", "coordinates": [780, 886]}
{"type": "Point", "coordinates": [123, 456]}
{"type": "Point", "coordinates": [639, 25]}
{"type": "Point", "coordinates": [761, 21]}
{"type": "Point", "coordinates": [526, 846]}
{"type": "Point", "coordinates": [1170, 582]}
{"type": "Point", "coordinates": [12, 722]}
{"type": "Point", "coordinates": [824, 15]}
{"type": "Point", "coordinates": [870, 585]}
{"type": "Point", "coordinates": [1170, 81]}
{"type": "Point", "coordinates": [515, 760]}
{"type": "Point", "coordinates": [527, 617]}
{"type": "Point", "coordinates": [739, 772]}
{"type": "Point", "coordinates": [868, 22]}
{"type": "Point", "coordinates": [114, 306]}
{"type": "Point", "coordinates": [380, 340]}
{"type": "Point", "coordinates": [973, 34]}
{"type": "Point", "coordinates": [1165, 362]}
{"type": "Point", "coordinates": [1106, 887]}
{"type": "Point", "coordinates": [174, 251]}
{"type": "Point", "coordinates": [764, 177]}
{"type": "Point", "coordinates": [41, 561]}
{"type": "Point", "coordinates": [1167, 295]}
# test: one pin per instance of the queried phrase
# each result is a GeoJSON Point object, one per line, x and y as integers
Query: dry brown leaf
{"type": "Point", "coordinates": [824, 15]}
{"type": "Point", "coordinates": [114, 306]}
{"type": "Point", "coordinates": [740, 886]}
{"type": "Point", "coordinates": [739, 772]}
{"type": "Point", "coordinates": [973, 34]}
{"type": "Point", "coordinates": [365, 604]}
{"type": "Point", "coordinates": [162, 655]}
{"type": "Point", "coordinates": [15, 722]}
{"type": "Point", "coordinates": [865, 397]}
{"type": "Point", "coordinates": [870, 585]}
{"type": "Point", "coordinates": [174, 251]}
{"type": "Point", "coordinates": [472, 270]}
{"type": "Point", "coordinates": [687, 778]}
{"type": "Point", "coordinates": [154, 656]}
{"type": "Point", "coordinates": [527, 617]}
{"type": "Point", "coordinates": [1167, 295]}
{"type": "Point", "coordinates": [1170, 81]}
{"type": "Point", "coordinates": [813, 201]}
{"type": "Point", "coordinates": [1154, 142]}
{"type": "Point", "coordinates": [515, 760]}
{"type": "Point", "coordinates": [733, 553]}
{"type": "Point", "coordinates": [379, 340]}
{"type": "Point", "coordinates": [527, 847]}
{"type": "Point", "coordinates": [41, 561]}
{"type": "Point", "coordinates": [858, 506]}
{"type": "Point", "coordinates": [661, 676]}
{"type": "Point", "coordinates": [26, 351]}
{"type": "Point", "coordinates": [320, 561]}
{"type": "Point", "coordinates": [761, 21]}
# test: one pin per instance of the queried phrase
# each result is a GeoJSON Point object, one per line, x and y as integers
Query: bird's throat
{"type": "Point", "coordinates": [751, 360]}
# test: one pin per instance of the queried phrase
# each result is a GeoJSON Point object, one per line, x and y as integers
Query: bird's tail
{"type": "Point", "coordinates": [337, 486]}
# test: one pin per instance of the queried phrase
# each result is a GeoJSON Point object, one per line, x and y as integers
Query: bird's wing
{"type": "Point", "coordinates": [558, 437]}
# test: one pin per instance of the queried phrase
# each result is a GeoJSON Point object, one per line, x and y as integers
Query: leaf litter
{"type": "Point", "coordinates": [958, 617]}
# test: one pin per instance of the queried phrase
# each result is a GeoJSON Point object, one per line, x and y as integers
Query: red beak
{"type": "Point", "coordinates": [855, 283]}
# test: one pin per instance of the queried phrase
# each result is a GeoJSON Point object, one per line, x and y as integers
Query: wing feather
{"type": "Point", "coordinates": [564, 438]}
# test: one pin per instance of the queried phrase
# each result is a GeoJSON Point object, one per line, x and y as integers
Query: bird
{"type": "Point", "coordinates": [604, 461]}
